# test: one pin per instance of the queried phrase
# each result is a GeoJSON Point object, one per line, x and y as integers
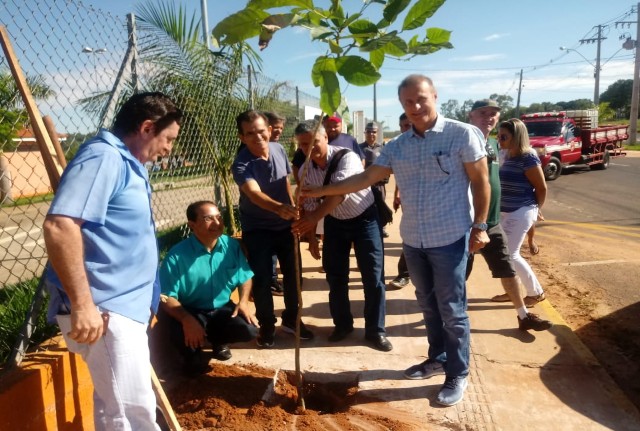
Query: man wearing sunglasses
{"type": "Point", "coordinates": [485, 115]}
{"type": "Point", "coordinates": [371, 150]}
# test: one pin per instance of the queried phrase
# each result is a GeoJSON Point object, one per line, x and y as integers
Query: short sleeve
{"type": "Point", "coordinates": [88, 183]}
{"type": "Point", "coordinates": [473, 148]}
{"type": "Point", "coordinates": [169, 284]}
{"type": "Point", "coordinates": [530, 160]}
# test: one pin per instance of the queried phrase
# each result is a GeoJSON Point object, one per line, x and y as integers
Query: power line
{"type": "Point", "coordinates": [532, 68]}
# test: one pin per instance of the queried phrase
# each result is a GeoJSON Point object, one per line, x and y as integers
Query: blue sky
{"type": "Point", "coordinates": [493, 40]}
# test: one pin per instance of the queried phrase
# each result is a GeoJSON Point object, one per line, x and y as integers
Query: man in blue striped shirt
{"type": "Point", "coordinates": [436, 166]}
{"type": "Point", "coordinates": [349, 218]}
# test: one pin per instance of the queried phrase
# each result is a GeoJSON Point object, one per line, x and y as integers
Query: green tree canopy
{"type": "Point", "coordinates": [356, 46]}
{"type": "Point", "coordinates": [13, 116]}
{"type": "Point", "coordinates": [618, 95]}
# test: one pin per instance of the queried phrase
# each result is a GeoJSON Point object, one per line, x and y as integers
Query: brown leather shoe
{"type": "Point", "coordinates": [530, 301]}
{"type": "Point", "coordinates": [501, 298]}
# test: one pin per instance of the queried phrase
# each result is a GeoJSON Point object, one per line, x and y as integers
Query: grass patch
{"type": "Point", "coordinates": [635, 147]}
{"type": "Point", "coordinates": [15, 300]}
{"type": "Point", "coordinates": [30, 200]}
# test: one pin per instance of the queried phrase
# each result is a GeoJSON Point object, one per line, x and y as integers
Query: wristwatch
{"type": "Point", "coordinates": [480, 226]}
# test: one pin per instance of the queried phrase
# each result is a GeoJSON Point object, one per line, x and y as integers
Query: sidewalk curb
{"type": "Point", "coordinates": [589, 359]}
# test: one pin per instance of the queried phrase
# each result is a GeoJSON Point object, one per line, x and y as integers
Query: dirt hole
{"type": "Point", "coordinates": [323, 393]}
{"type": "Point", "coordinates": [248, 397]}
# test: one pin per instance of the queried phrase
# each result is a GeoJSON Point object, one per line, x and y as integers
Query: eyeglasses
{"type": "Point", "coordinates": [210, 218]}
{"type": "Point", "coordinates": [502, 137]}
{"type": "Point", "coordinates": [370, 131]}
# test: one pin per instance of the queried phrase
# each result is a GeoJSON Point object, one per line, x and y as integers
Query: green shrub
{"type": "Point", "coordinates": [15, 301]}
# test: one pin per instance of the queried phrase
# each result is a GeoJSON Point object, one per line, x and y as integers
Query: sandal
{"type": "Point", "coordinates": [534, 249]}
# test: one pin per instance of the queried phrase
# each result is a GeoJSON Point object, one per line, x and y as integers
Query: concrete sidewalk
{"type": "Point", "coordinates": [518, 380]}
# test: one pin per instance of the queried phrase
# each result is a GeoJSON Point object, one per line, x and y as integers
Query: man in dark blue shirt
{"type": "Point", "coordinates": [261, 170]}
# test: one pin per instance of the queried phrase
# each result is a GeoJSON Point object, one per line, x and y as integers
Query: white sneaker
{"type": "Point", "coordinates": [452, 391]}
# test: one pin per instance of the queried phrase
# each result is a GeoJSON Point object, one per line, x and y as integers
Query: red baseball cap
{"type": "Point", "coordinates": [335, 119]}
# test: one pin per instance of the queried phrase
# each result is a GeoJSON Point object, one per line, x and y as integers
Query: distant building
{"type": "Point", "coordinates": [22, 171]}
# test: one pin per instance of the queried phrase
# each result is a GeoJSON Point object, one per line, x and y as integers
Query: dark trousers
{"type": "Point", "coordinates": [403, 271]}
{"type": "Point", "coordinates": [365, 233]}
{"type": "Point", "coordinates": [261, 246]}
{"type": "Point", "coordinates": [220, 327]}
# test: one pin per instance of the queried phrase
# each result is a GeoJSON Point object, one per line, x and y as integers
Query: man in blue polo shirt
{"type": "Point", "coordinates": [261, 170]}
{"type": "Point", "coordinates": [198, 276]}
{"type": "Point", "coordinates": [102, 247]}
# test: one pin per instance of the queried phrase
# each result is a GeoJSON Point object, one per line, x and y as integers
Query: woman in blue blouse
{"type": "Point", "coordinates": [523, 193]}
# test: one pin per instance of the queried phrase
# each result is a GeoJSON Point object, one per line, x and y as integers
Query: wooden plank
{"type": "Point", "coordinates": [51, 130]}
{"type": "Point", "coordinates": [51, 163]}
{"type": "Point", "coordinates": [163, 403]}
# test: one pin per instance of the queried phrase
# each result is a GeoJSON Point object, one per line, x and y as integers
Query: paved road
{"type": "Point", "coordinates": [593, 218]}
{"type": "Point", "coordinates": [22, 252]}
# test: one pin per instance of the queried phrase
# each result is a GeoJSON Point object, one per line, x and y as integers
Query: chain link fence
{"type": "Point", "coordinates": [81, 63]}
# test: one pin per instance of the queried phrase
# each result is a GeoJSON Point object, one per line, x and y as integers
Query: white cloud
{"type": "Point", "coordinates": [480, 58]}
{"type": "Point", "coordinates": [495, 36]}
{"type": "Point", "coordinates": [303, 57]}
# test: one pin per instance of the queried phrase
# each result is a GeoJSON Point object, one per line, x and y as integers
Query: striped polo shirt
{"type": "Point", "coordinates": [353, 204]}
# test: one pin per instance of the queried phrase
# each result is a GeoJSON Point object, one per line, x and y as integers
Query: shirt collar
{"type": "Point", "coordinates": [438, 127]}
{"type": "Point", "coordinates": [330, 150]}
{"type": "Point", "coordinates": [198, 246]}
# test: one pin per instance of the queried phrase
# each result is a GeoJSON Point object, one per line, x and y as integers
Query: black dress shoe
{"type": "Point", "coordinates": [195, 364]}
{"type": "Point", "coordinates": [380, 342]}
{"type": "Point", "coordinates": [222, 353]}
{"type": "Point", "coordinates": [339, 334]}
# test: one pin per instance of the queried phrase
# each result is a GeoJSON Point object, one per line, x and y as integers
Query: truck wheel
{"type": "Point", "coordinates": [605, 162]}
{"type": "Point", "coordinates": [553, 169]}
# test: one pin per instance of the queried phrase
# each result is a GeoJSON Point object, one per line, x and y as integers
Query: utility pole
{"type": "Point", "coordinates": [635, 93]}
{"type": "Point", "coordinates": [205, 23]}
{"type": "Point", "coordinates": [375, 104]}
{"type": "Point", "coordinates": [596, 75]}
{"type": "Point", "coordinates": [519, 91]}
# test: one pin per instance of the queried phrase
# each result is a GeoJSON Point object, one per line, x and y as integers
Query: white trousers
{"type": "Point", "coordinates": [516, 225]}
{"type": "Point", "coordinates": [120, 368]}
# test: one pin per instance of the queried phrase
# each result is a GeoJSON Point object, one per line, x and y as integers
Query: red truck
{"type": "Point", "coordinates": [573, 138]}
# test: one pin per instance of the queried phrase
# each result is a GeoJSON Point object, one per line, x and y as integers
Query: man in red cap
{"type": "Point", "coordinates": [333, 126]}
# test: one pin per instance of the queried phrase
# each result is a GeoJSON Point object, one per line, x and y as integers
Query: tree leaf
{"type": "Point", "coordinates": [334, 47]}
{"type": "Point", "coordinates": [320, 33]}
{"type": "Point", "coordinates": [322, 65]}
{"type": "Point", "coordinates": [330, 95]}
{"type": "Point", "coordinates": [357, 71]}
{"type": "Point", "coordinates": [419, 13]}
{"type": "Point", "coordinates": [438, 36]}
{"type": "Point", "coordinates": [393, 9]}
{"type": "Point", "coordinates": [337, 13]}
{"type": "Point", "coordinates": [282, 20]}
{"type": "Point", "coordinates": [376, 57]}
{"type": "Point", "coordinates": [378, 43]}
{"type": "Point", "coordinates": [363, 28]}
{"type": "Point", "coordinates": [239, 26]}
{"type": "Point", "coordinates": [396, 47]}
{"type": "Point", "coordinates": [271, 4]}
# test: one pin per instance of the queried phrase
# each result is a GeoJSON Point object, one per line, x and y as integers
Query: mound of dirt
{"type": "Point", "coordinates": [248, 397]}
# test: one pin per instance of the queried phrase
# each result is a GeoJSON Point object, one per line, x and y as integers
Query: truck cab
{"type": "Point", "coordinates": [557, 139]}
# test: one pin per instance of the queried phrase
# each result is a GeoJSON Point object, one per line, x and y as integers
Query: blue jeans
{"type": "Point", "coordinates": [439, 277]}
{"type": "Point", "coordinates": [365, 233]}
{"type": "Point", "coordinates": [261, 246]}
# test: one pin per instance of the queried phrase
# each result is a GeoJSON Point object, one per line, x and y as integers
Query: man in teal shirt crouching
{"type": "Point", "coordinates": [198, 276]}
